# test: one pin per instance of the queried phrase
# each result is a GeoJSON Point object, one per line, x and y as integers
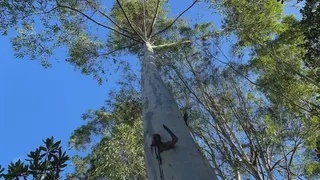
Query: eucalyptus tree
{"type": "Point", "coordinates": [279, 46]}
{"type": "Point", "coordinates": [136, 27]}
{"type": "Point", "coordinates": [232, 121]}
{"type": "Point", "coordinates": [310, 21]}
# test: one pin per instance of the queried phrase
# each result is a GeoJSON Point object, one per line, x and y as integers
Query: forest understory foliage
{"type": "Point", "coordinates": [249, 86]}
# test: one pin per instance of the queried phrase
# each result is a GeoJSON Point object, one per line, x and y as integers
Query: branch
{"type": "Point", "coordinates": [279, 60]}
{"type": "Point", "coordinates": [96, 22]}
{"type": "Point", "coordinates": [46, 12]}
{"type": "Point", "coordinates": [144, 19]}
{"type": "Point", "coordinates": [154, 19]}
{"type": "Point", "coordinates": [293, 152]}
{"type": "Point", "coordinates": [256, 84]}
{"type": "Point", "coordinates": [109, 18]}
{"type": "Point", "coordinates": [118, 49]}
{"type": "Point", "coordinates": [40, 13]}
{"type": "Point", "coordinates": [161, 31]}
{"type": "Point", "coordinates": [277, 162]}
{"type": "Point", "coordinates": [128, 20]}
{"type": "Point", "coordinates": [177, 43]}
{"type": "Point", "coordinates": [172, 44]}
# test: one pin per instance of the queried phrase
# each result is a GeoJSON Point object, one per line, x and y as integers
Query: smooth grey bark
{"type": "Point", "coordinates": [238, 175]}
{"type": "Point", "coordinates": [185, 161]}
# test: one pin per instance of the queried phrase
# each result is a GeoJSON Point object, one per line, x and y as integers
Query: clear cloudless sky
{"type": "Point", "coordinates": [36, 103]}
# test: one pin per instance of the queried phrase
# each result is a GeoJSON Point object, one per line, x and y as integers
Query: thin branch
{"type": "Point", "coordinates": [96, 22]}
{"type": "Point", "coordinates": [144, 19]}
{"type": "Point", "coordinates": [128, 20]}
{"type": "Point", "coordinates": [256, 84]}
{"type": "Point", "coordinates": [172, 44]}
{"type": "Point", "coordinates": [279, 60]}
{"type": "Point", "coordinates": [293, 152]}
{"type": "Point", "coordinates": [261, 169]}
{"type": "Point", "coordinates": [40, 13]}
{"type": "Point", "coordinates": [279, 161]}
{"type": "Point", "coordinates": [226, 131]}
{"type": "Point", "coordinates": [110, 19]}
{"type": "Point", "coordinates": [161, 31]}
{"type": "Point", "coordinates": [118, 49]}
{"type": "Point", "coordinates": [46, 12]}
{"type": "Point", "coordinates": [154, 19]}
{"type": "Point", "coordinates": [177, 43]}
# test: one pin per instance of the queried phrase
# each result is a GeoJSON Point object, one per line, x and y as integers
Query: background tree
{"type": "Point", "coordinates": [46, 162]}
{"type": "Point", "coordinates": [310, 21]}
{"type": "Point", "coordinates": [276, 60]}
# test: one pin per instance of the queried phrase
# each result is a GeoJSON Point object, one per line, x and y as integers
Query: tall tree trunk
{"type": "Point", "coordinates": [238, 175]}
{"type": "Point", "coordinates": [185, 161]}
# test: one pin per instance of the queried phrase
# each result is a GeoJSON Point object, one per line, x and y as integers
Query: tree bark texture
{"type": "Point", "coordinates": [185, 161]}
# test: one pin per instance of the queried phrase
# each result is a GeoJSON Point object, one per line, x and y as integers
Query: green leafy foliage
{"type": "Point", "coordinates": [43, 27]}
{"type": "Point", "coordinates": [253, 22]}
{"type": "Point", "coordinates": [141, 16]}
{"type": "Point", "coordinates": [279, 62]}
{"type": "Point", "coordinates": [278, 51]}
{"type": "Point", "coordinates": [11, 12]}
{"type": "Point", "coordinates": [45, 162]}
{"type": "Point", "coordinates": [114, 134]}
{"type": "Point", "coordinates": [311, 22]}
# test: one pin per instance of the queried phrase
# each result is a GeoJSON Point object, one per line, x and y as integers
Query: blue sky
{"type": "Point", "coordinates": [37, 103]}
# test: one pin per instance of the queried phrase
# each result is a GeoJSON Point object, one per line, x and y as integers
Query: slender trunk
{"type": "Point", "coordinates": [185, 161]}
{"type": "Point", "coordinates": [238, 175]}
